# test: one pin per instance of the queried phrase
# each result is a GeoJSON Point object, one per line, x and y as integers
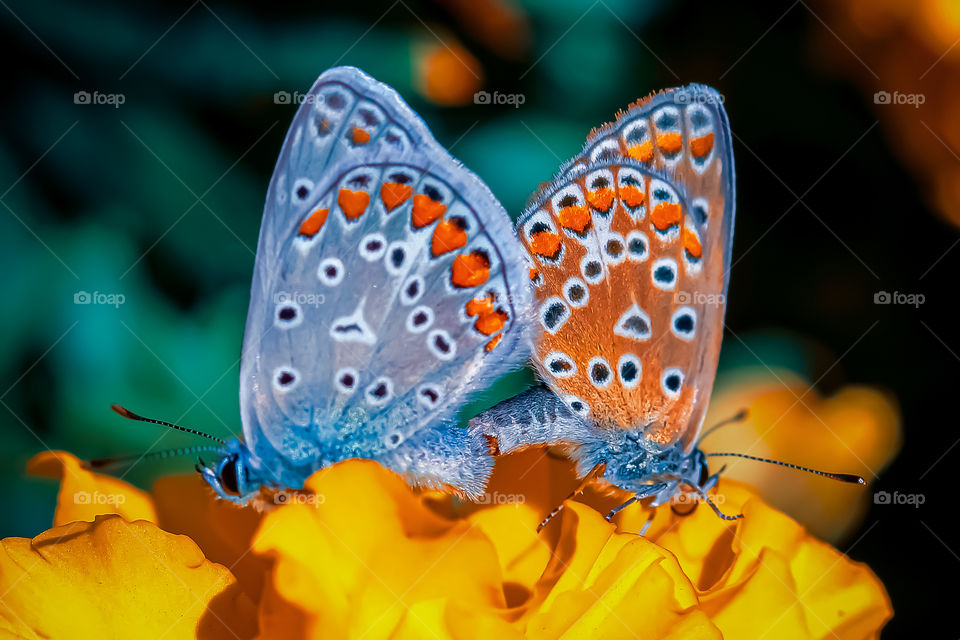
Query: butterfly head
{"type": "Point", "coordinates": [231, 474]}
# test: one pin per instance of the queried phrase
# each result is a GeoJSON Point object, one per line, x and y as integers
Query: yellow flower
{"type": "Point", "coordinates": [358, 554]}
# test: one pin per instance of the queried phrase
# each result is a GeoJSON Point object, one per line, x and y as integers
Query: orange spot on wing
{"type": "Point", "coordinates": [312, 225]}
{"type": "Point", "coordinates": [448, 236]}
{"type": "Point", "coordinates": [470, 270]}
{"type": "Point", "coordinates": [642, 152]}
{"type": "Point", "coordinates": [479, 306]}
{"type": "Point", "coordinates": [394, 194]}
{"type": "Point", "coordinates": [632, 196]}
{"type": "Point", "coordinates": [545, 243]}
{"type": "Point", "coordinates": [493, 343]}
{"type": "Point", "coordinates": [574, 218]}
{"type": "Point", "coordinates": [691, 244]}
{"type": "Point", "coordinates": [533, 273]}
{"type": "Point", "coordinates": [353, 203]}
{"type": "Point", "coordinates": [489, 323]}
{"type": "Point", "coordinates": [669, 143]}
{"type": "Point", "coordinates": [359, 136]}
{"type": "Point", "coordinates": [701, 147]}
{"type": "Point", "coordinates": [426, 210]}
{"type": "Point", "coordinates": [601, 199]}
{"type": "Point", "coordinates": [665, 215]}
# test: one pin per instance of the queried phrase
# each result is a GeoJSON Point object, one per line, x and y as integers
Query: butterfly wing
{"type": "Point", "coordinates": [388, 286]}
{"type": "Point", "coordinates": [631, 249]}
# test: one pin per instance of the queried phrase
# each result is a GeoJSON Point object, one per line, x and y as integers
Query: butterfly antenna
{"type": "Point", "coordinates": [100, 463]}
{"type": "Point", "coordinates": [842, 477]}
{"type": "Point", "coordinates": [739, 417]}
{"type": "Point", "coordinates": [126, 413]}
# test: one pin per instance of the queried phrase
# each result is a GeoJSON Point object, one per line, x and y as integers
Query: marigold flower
{"type": "Point", "coordinates": [358, 553]}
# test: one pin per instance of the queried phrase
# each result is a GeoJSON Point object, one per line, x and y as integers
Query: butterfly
{"type": "Point", "coordinates": [629, 253]}
{"type": "Point", "coordinates": [388, 287]}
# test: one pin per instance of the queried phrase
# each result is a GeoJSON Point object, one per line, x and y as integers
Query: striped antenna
{"type": "Point", "coordinates": [100, 463]}
{"type": "Point", "coordinates": [842, 477]}
{"type": "Point", "coordinates": [126, 413]}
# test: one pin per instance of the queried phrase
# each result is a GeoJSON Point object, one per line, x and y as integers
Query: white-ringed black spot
{"type": "Point", "coordinates": [634, 323]}
{"type": "Point", "coordinates": [672, 381]}
{"type": "Point", "coordinates": [285, 379]}
{"type": "Point", "coordinates": [577, 405]}
{"type": "Point", "coordinates": [302, 189]}
{"type": "Point", "coordinates": [380, 391]}
{"type": "Point", "coordinates": [428, 395]}
{"type": "Point", "coordinates": [664, 274]}
{"type": "Point", "coordinates": [331, 272]}
{"type": "Point", "coordinates": [683, 323]}
{"type": "Point", "coordinates": [629, 369]}
{"type": "Point", "coordinates": [576, 292]}
{"type": "Point", "coordinates": [412, 290]}
{"type": "Point", "coordinates": [373, 246]}
{"type": "Point", "coordinates": [598, 370]}
{"type": "Point", "coordinates": [560, 365]}
{"type": "Point", "coordinates": [592, 269]}
{"type": "Point", "coordinates": [345, 380]}
{"type": "Point", "coordinates": [553, 313]}
{"type": "Point", "coordinates": [637, 244]}
{"type": "Point", "coordinates": [420, 319]}
{"type": "Point", "coordinates": [441, 344]}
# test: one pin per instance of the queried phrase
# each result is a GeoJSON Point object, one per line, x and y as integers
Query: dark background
{"type": "Point", "coordinates": [160, 200]}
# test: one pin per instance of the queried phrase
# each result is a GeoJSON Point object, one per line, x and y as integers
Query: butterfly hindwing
{"type": "Point", "coordinates": [630, 252]}
{"type": "Point", "coordinates": [387, 288]}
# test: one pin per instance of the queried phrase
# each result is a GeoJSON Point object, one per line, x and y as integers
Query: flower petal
{"type": "Point", "coordinates": [112, 578]}
{"type": "Point", "coordinates": [83, 495]}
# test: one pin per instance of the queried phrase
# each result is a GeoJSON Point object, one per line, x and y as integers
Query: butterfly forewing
{"type": "Point", "coordinates": [387, 285]}
{"type": "Point", "coordinates": [630, 252]}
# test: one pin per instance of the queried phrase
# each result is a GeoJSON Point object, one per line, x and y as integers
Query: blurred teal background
{"type": "Point", "coordinates": [159, 199]}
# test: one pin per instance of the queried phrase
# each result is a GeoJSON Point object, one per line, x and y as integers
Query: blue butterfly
{"type": "Point", "coordinates": [388, 287]}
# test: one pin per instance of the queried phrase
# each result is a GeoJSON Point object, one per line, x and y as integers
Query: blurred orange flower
{"type": "Point", "coordinates": [446, 73]}
{"type": "Point", "coordinates": [357, 553]}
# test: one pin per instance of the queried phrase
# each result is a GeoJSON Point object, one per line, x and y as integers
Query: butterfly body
{"type": "Point", "coordinates": [629, 254]}
{"type": "Point", "coordinates": [387, 289]}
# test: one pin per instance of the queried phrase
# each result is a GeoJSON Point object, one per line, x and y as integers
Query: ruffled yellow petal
{"type": "Point", "coordinates": [115, 579]}
{"type": "Point", "coordinates": [84, 495]}
{"type": "Point", "coordinates": [357, 560]}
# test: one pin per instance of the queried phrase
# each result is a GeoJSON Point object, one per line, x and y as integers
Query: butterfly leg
{"type": "Point", "coordinates": [640, 495]}
{"type": "Point", "coordinates": [595, 473]}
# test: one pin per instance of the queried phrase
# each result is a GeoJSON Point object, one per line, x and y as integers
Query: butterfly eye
{"type": "Point", "coordinates": [345, 380]}
{"type": "Point", "coordinates": [285, 379]}
{"type": "Point", "coordinates": [227, 475]}
{"type": "Point", "coordinates": [672, 381]}
{"type": "Point", "coordinates": [683, 323]}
